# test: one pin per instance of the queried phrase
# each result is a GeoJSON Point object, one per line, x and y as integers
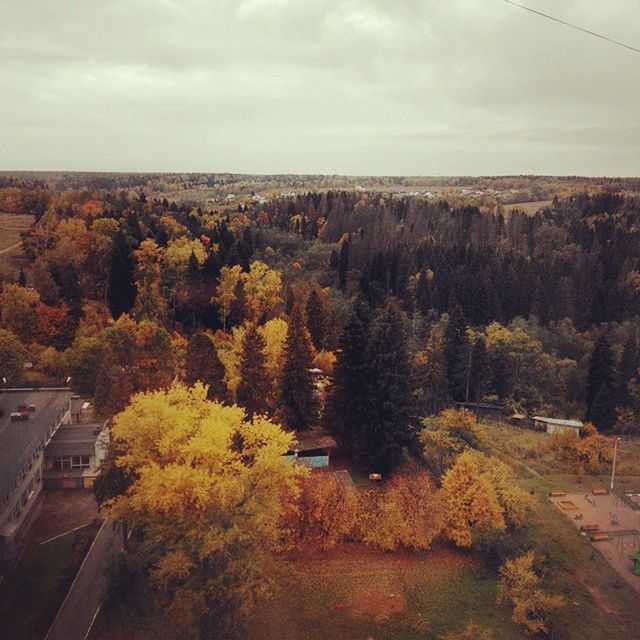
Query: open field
{"type": "Point", "coordinates": [357, 593]}
{"type": "Point", "coordinates": [12, 226]}
{"type": "Point", "coordinates": [528, 207]}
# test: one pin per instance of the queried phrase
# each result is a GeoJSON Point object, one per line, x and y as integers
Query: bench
{"type": "Point", "coordinates": [556, 493]}
{"type": "Point", "coordinates": [590, 528]}
{"type": "Point", "coordinates": [600, 491]}
{"type": "Point", "coordinates": [599, 537]}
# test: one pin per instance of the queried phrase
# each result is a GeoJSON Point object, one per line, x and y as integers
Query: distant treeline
{"type": "Point", "coordinates": [578, 258]}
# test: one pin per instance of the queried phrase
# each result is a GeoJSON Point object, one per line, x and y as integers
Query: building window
{"type": "Point", "coordinates": [65, 463]}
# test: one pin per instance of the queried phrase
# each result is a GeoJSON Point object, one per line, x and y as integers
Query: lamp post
{"type": "Point", "coordinates": [613, 469]}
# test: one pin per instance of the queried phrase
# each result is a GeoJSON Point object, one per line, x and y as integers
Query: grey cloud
{"type": "Point", "coordinates": [357, 86]}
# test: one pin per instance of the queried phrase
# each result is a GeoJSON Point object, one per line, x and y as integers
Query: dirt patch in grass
{"type": "Point", "coordinates": [378, 601]}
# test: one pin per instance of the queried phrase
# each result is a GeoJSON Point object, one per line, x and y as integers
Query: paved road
{"type": "Point", "coordinates": [78, 611]}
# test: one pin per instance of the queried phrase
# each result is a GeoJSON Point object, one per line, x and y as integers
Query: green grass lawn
{"type": "Point", "coordinates": [37, 587]}
{"type": "Point", "coordinates": [360, 593]}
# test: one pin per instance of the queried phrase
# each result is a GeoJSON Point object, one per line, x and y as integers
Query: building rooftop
{"type": "Point", "coordinates": [559, 422]}
{"type": "Point", "coordinates": [313, 439]}
{"type": "Point", "coordinates": [19, 439]}
{"type": "Point", "coordinates": [74, 440]}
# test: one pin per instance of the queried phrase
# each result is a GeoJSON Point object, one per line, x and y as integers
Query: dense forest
{"type": "Point", "coordinates": [425, 300]}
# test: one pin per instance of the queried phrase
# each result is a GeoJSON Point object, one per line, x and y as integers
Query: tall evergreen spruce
{"type": "Point", "coordinates": [478, 371]}
{"type": "Point", "coordinates": [389, 431]}
{"type": "Point", "coordinates": [346, 415]}
{"type": "Point", "coordinates": [289, 299]}
{"type": "Point", "coordinates": [601, 386]}
{"type": "Point", "coordinates": [254, 390]}
{"type": "Point", "coordinates": [628, 369]}
{"type": "Point", "coordinates": [297, 391]}
{"type": "Point", "coordinates": [121, 288]}
{"type": "Point", "coordinates": [316, 323]}
{"type": "Point", "coordinates": [343, 265]}
{"type": "Point", "coordinates": [238, 309]}
{"type": "Point", "coordinates": [456, 352]}
{"type": "Point", "coordinates": [203, 364]}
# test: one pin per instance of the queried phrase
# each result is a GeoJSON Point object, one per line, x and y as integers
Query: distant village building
{"type": "Point", "coordinates": [22, 445]}
{"type": "Point", "coordinates": [557, 425]}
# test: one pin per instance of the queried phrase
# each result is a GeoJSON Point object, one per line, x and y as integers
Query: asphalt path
{"type": "Point", "coordinates": [82, 604]}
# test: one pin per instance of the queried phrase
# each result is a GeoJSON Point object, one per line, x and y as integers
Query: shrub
{"type": "Point", "coordinates": [405, 514]}
{"type": "Point", "coordinates": [321, 515]}
{"type": "Point", "coordinates": [446, 436]}
{"type": "Point", "coordinates": [521, 586]}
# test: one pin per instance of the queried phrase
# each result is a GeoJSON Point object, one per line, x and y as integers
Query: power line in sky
{"type": "Point", "coordinates": [573, 26]}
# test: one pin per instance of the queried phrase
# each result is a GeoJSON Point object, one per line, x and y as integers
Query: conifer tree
{"type": "Point", "coordinates": [289, 299]}
{"type": "Point", "coordinates": [343, 265]}
{"type": "Point", "coordinates": [423, 292]}
{"type": "Point", "coordinates": [316, 319]}
{"type": "Point", "coordinates": [389, 431]}
{"type": "Point", "coordinates": [601, 387]}
{"type": "Point", "coordinates": [456, 352]}
{"type": "Point", "coordinates": [628, 369]}
{"type": "Point", "coordinates": [121, 288]}
{"type": "Point", "coordinates": [346, 412]}
{"type": "Point", "coordinates": [477, 371]}
{"type": "Point", "coordinates": [238, 309]}
{"type": "Point", "coordinates": [203, 364]}
{"type": "Point", "coordinates": [297, 390]}
{"type": "Point", "coordinates": [254, 390]}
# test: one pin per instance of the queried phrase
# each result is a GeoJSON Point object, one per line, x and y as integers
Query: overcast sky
{"type": "Point", "coordinates": [319, 86]}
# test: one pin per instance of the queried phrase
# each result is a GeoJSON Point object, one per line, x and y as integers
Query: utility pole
{"type": "Point", "coordinates": [613, 469]}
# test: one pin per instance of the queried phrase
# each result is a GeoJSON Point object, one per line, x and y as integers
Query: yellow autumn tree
{"type": "Point", "coordinates": [469, 501]}
{"type": "Point", "coordinates": [520, 586]}
{"type": "Point", "coordinates": [321, 515]}
{"type": "Point", "coordinates": [583, 454]}
{"type": "Point", "coordinates": [514, 501]}
{"type": "Point", "coordinates": [206, 499]}
{"type": "Point", "coordinates": [447, 435]}
{"type": "Point", "coordinates": [406, 513]}
{"type": "Point", "coordinates": [262, 288]}
{"type": "Point", "coordinates": [225, 291]}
